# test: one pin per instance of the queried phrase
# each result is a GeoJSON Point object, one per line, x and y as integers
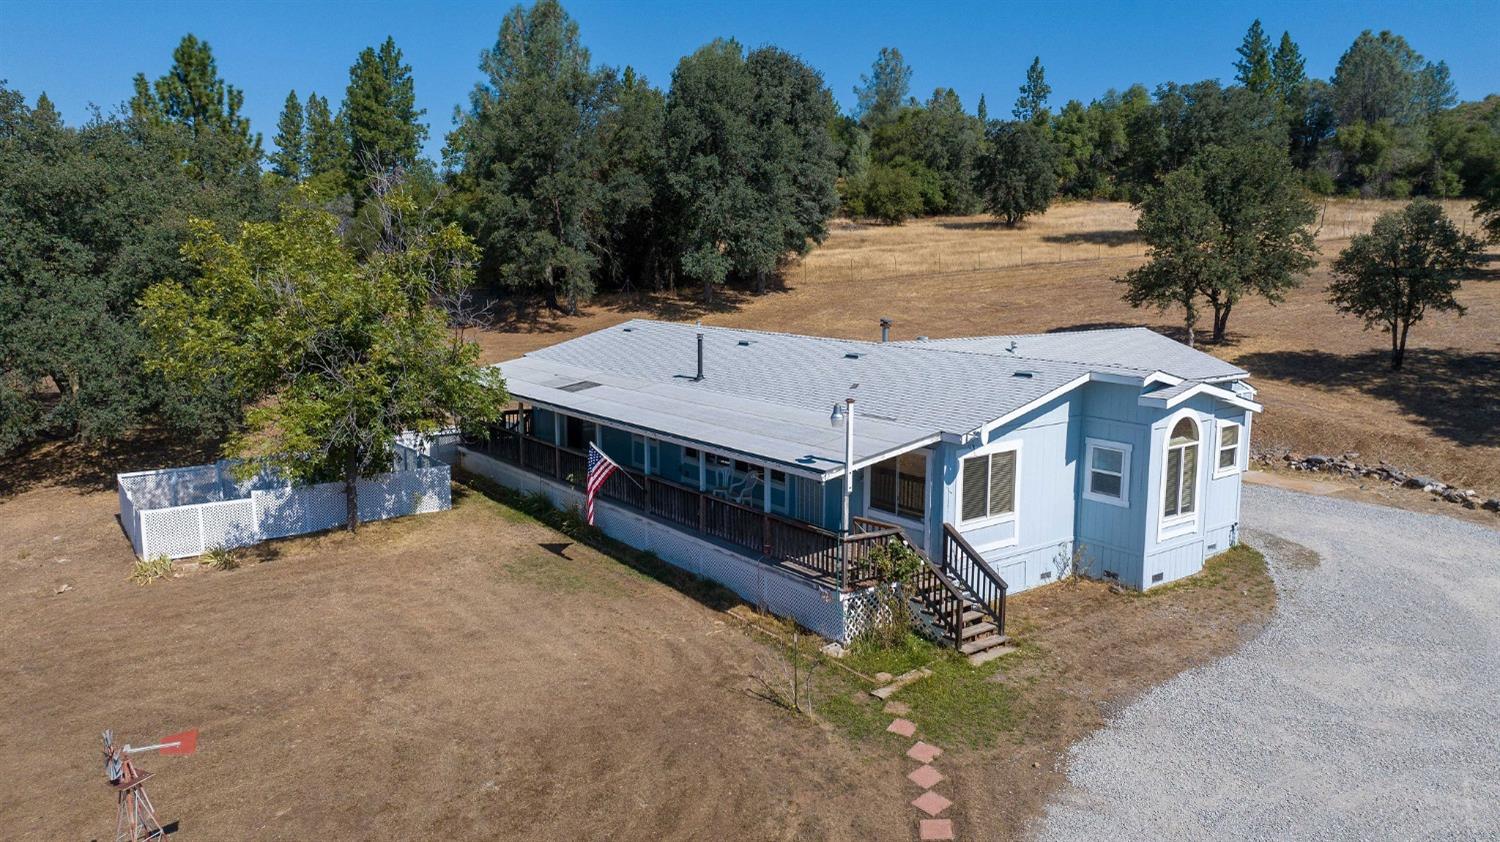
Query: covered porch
{"type": "Point", "coordinates": [772, 513]}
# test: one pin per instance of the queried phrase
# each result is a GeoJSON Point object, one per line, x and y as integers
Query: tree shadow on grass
{"type": "Point", "coordinates": [92, 466]}
{"type": "Point", "coordinates": [1454, 393]}
{"type": "Point", "coordinates": [1112, 237]}
{"type": "Point", "coordinates": [704, 591]}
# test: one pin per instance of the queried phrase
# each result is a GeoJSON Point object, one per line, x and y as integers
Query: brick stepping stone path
{"type": "Point", "coordinates": [902, 727]}
{"type": "Point", "coordinates": [923, 752]}
{"type": "Point", "coordinates": [935, 830]}
{"type": "Point", "coordinates": [926, 777]}
{"type": "Point", "coordinates": [931, 803]}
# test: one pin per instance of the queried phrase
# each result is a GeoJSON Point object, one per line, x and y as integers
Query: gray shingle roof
{"type": "Point", "coordinates": [1139, 349]}
{"type": "Point", "coordinates": [770, 394]}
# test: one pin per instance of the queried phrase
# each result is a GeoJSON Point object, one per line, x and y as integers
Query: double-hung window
{"type": "Point", "coordinates": [1108, 479]}
{"type": "Point", "coordinates": [1180, 484]}
{"type": "Point", "coordinates": [1231, 436]}
{"type": "Point", "coordinates": [989, 485]}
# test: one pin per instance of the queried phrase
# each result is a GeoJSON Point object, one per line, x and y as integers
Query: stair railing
{"type": "Point", "coordinates": [966, 566]}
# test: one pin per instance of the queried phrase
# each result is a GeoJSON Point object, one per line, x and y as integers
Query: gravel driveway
{"type": "Point", "coordinates": [1369, 708]}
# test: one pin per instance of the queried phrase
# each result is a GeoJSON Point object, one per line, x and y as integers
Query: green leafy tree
{"type": "Point", "coordinates": [1253, 67]}
{"type": "Point", "coordinates": [192, 95]}
{"type": "Point", "coordinates": [380, 114]}
{"type": "Point", "coordinates": [1185, 119]}
{"type": "Point", "coordinates": [1017, 175]}
{"type": "Point", "coordinates": [1412, 261]}
{"type": "Point", "coordinates": [290, 158]}
{"type": "Point", "coordinates": [1230, 224]}
{"type": "Point", "coordinates": [1031, 105]}
{"type": "Point", "coordinates": [889, 193]}
{"type": "Point", "coordinates": [629, 231]}
{"type": "Point", "coordinates": [530, 151]}
{"type": "Point", "coordinates": [710, 156]}
{"type": "Point", "coordinates": [945, 141]}
{"type": "Point", "coordinates": [883, 92]}
{"type": "Point", "coordinates": [332, 357]}
{"type": "Point", "coordinates": [91, 216]}
{"type": "Point", "coordinates": [983, 113]}
{"type": "Point", "coordinates": [796, 167]}
{"type": "Point", "coordinates": [1380, 77]}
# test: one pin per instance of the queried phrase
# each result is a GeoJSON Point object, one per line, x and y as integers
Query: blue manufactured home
{"type": "Point", "coordinates": [998, 458]}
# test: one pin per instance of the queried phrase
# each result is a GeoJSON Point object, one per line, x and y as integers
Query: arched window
{"type": "Point", "coordinates": [1179, 488]}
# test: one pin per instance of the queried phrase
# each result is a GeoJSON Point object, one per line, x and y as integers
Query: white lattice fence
{"type": "Point", "coordinates": [180, 512]}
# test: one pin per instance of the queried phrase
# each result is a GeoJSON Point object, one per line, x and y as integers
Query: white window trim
{"type": "Point", "coordinates": [1123, 501]}
{"type": "Point", "coordinates": [1239, 449]}
{"type": "Point", "coordinates": [1178, 525]}
{"type": "Point", "coordinates": [926, 490]}
{"type": "Point", "coordinates": [989, 520]}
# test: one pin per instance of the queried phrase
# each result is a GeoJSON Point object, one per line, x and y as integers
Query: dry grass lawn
{"type": "Point", "coordinates": [477, 675]}
{"type": "Point", "coordinates": [1322, 377]}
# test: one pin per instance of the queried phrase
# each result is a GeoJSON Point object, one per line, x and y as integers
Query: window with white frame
{"type": "Point", "coordinates": [1180, 484]}
{"type": "Point", "coordinates": [989, 485]}
{"type": "Point", "coordinates": [1231, 435]}
{"type": "Point", "coordinates": [1108, 466]}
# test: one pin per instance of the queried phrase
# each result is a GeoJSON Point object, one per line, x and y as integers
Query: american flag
{"type": "Point", "coordinates": [600, 467]}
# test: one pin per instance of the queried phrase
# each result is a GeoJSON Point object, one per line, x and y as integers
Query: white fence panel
{"type": "Point", "coordinates": [182, 512]}
{"type": "Point", "coordinates": [229, 524]}
{"type": "Point", "coordinates": [172, 532]}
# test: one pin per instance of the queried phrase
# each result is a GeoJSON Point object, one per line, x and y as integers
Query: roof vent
{"type": "Point", "coordinates": [1026, 374]}
{"type": "Point", "coordinates": [743, 343]}
{"type": "Point", "coordinates": [1011, 347]}
{"type": "Point", "coordinates": [852, 355]}
{"type": "Point", "coordinates": [921, 339]}
{"type": "Point", "coordinates": [578, 387]}
{"type": "Point", "coordinates": [627, 329]}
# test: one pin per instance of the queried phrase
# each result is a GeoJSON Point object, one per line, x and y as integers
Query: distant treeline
{"type": "Point", "coordinates": [574, 177]}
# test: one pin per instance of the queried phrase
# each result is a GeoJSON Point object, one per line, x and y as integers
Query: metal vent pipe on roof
{"type": "Point", "coordinates": [700, 356]}
{"type": "Point", "coordinates": [885, 330]}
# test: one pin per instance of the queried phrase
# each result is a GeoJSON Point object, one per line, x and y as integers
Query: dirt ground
{"type": "Point", "coordinates": [467, 675]}
{"type": "Point", "coordinates": [474, 674]}
{"type": "Point", "coordinates": [1322, 377]}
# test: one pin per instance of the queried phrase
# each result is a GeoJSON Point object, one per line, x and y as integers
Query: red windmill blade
{"type": "Point", "coordinates": [183, 742]}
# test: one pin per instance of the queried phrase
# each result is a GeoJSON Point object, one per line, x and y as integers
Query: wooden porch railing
{"type": "Point", "coordinates": [809, 549]}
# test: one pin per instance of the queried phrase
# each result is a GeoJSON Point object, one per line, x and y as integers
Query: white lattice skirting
{"type": "Point", "coordinates": [181, 512]}
{"type": "Point", "coordinates": [816, 607]}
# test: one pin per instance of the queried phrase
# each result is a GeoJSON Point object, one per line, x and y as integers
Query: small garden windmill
{"type": "Point", "coordinates": [135, 818]}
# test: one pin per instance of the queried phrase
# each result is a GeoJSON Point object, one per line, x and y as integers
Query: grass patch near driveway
{"type": "Point", "coordinates": [1241, 565]}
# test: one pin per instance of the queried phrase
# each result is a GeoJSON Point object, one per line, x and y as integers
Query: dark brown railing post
{"type": "Point", "coordinates": [765, 534]}
{"type": "Point", "coordinates": [702, 512]}
{"type": "Point", "coordinates": [557, 461]}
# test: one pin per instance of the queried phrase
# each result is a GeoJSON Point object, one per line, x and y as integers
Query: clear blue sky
{"type": "Point", "coordinates": [87, 52]}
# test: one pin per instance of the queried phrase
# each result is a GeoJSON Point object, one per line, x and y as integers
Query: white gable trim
{"type": "Point", "coordinates": [1201, 389]}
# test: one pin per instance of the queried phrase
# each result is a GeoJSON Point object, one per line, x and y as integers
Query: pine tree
{"type": "Point", "coordinates": [1031, 105]}
{"type": "Point", "coordinates": [380, 106]}
{"type": "Point", "coordinates": [982, 112]}
{"type": "Point", "coordinates": [327, 142]}
{"type": "Point", "coordinates": [194, 96]}
{"type": "Point", "coordinates": [1253, 67]}
{"type": "Point", "coordinates": [290, 158]}
{"type": "Point", "coordinates": [883, 92]}
{"type": "Point", "coordinates": [1288, 73]}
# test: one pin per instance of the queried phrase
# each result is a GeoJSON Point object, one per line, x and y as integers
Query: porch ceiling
{"type": "Point", "coordinates": [800, 440]}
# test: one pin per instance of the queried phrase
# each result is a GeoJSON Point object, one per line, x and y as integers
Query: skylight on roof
{"type": "Point", "coordinates": [578, 387]}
